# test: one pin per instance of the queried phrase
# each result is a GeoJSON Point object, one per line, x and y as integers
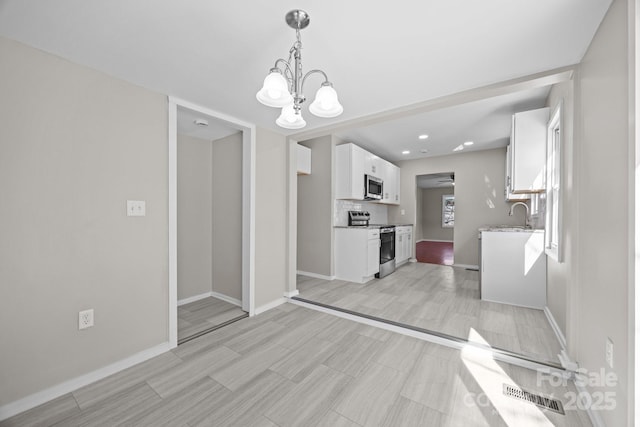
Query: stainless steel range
{"type": "Point", "coordinates": [387, 250]}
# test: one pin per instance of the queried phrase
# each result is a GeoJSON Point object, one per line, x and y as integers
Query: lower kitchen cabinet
{"type": "Point", "coordinates": [513, 268]}
{"type": "Point", "coordinates": [404, 246]}
{"type": "Point", "coordinates": [357, 254]}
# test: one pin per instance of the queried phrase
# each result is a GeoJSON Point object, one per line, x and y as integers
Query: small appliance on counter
{"type": "Point", "coordinates": [359, 219]}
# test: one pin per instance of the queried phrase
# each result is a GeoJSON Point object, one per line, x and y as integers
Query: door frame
{"type": "Point", "coordinates": [248, 207]}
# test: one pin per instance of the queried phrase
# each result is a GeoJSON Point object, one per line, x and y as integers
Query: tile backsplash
{"type": "Point", "coordinates": [341, 207]}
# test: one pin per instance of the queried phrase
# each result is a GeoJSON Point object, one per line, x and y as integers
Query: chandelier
{"type": "Point", "coordinates": [283, 86]}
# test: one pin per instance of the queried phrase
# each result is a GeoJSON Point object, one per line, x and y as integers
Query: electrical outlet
{"type": "Point", "coordinates": [136, 208]}
{"type": "Point", "coordinates": [85, 319]}
{"type": "Point", "coordinates": [609, 352]}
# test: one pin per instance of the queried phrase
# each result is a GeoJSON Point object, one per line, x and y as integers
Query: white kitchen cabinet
{"type": "Point", "coordinates": [508, 195]}
{"type": "Point", "coordinates": [357, 254]}
{"type": "Point", "coordinates": [391, 183]}
{"type": "Point", "coordinates": [353, 163]}
{"type": "Point", "coordinates": [304, 160]}
{"type": "Point", "coordinates": [513, 268]}
{"type": "Point", "coordinates": [373, 165]}
{"type": "Point", "coordinates": [350, 171]}
{"type": "Point", "coordinates": [404, 246]}
{"type": "Point", "coordinates": [528, 148]}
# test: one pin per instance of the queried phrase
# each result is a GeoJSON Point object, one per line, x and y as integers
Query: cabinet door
{"type": "Point", "coordinates": [350, 171]}
{"type": "Point", "coordinates": [508, 195]}
{"type": "Point", "coordinates": [408, 251]}
{"type": "Point", "coordinates": [373, 256]}
{"type": "Point", "coordinates": [528, 148]}
{"type": "Point", "coordinates": [396, 193]}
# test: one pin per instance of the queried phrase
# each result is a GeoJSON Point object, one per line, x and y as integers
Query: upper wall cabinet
{"type": "Point", "coordinates": [528, 146]}
{"type": "Point", "coordinates": [304, 160]}
{"type": "Point", "coordinates": [508, 195]}
{"type": "Point", "coordinates": [391, 183]}
{"type": "Point", "coordinates": [353, 163]}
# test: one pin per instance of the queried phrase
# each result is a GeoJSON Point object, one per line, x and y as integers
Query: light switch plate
{"type": "Point", "coordinates": [136, 208]}
{"type": "Point", "coordinates": [609, 352]}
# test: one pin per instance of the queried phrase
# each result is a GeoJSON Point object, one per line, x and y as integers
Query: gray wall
{"type": "Point", "coordinates": [76, 145]}
{"type": "Point", "coordinates": [194, 216]}
{"type": "Point", "coordinates": [227, 216]}
{"type": "Point", "coordinates": [431, 207]}
{"type": "Point", "coordinates": [315, 210]}
{"type": "Point", "coordinates": [602, 230]}
{"type": "Point", "coordinates": [271, 217]}
{"type": "Point", "coordinates": [479, 196]}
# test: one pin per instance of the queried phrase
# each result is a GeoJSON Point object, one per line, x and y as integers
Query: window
{"type": "Point", "coordinates": [448, 210]}
{"type": "Point", "coordinates": [553, 229]}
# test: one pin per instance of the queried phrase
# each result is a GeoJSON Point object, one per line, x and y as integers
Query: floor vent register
{"type": "Point", "coordinates": [544, 402]}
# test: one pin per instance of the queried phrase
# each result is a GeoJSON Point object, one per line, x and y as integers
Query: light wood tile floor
{"type": "Point", "coordinates": [292, 366]}
{"type": "Point", "coordinates": [196, 317]}
{"type": "Point", "coordinates": [442, 299]}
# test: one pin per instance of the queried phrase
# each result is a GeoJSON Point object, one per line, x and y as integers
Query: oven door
{"type": "Point", "coordinates": [387, 247]}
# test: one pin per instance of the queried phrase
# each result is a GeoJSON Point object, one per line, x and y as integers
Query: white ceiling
{"type": "Point", "coordinates": [379, 57]}
{"type": "Point", "coordinates": [486, 123]}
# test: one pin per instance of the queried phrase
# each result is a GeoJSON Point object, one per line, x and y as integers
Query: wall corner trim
{"type": "Point", "coordinates": [35, 399]}
{"type": "Point", "coordinates": [291, 294]}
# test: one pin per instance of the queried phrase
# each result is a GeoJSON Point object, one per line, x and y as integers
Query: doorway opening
{"type": "Point", "coordinates": [435, 218]}
{"type": "Point", "coordinates": [211, 218]}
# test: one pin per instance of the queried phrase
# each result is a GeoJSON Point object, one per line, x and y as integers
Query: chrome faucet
{"type": "Point", "coordinates": [526, 218]}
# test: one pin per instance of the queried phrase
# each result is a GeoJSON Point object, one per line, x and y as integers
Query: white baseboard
{"type": "Point", "coordinates": [315, 275]}
{"type": "Point", "coordinates": [33, 400]}
{"type": "Point", "coordinates": [470, 266]}
{"type": "Point", "coordinates": [291, 294]}
{"type": "Point", "coordinates": [269, 306]}
{"type": "Point", "coordinates": [433, 240]}
{"type": "Point", "coordinates": [226, 298]}
{"type": "Point", "coordinates": [194, 298]}
{"type": "Point", "coordinates": [556, 328]}
{"type": "Point", "coordinates": [218, 295]}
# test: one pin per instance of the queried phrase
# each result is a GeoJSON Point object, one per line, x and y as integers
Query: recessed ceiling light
{"type": "Point", "coordinates": [423, 136]}
{"type": "Point", "coordinates": [423, 151]}
{"type": "Point", "coordinates": [406, 152]}
{"type": "Point", "coordinates": [459, 148]}
{"type": "Point", "coordinates": [201, 122]}
{"type": "Point", "coordinates": [468, 143]}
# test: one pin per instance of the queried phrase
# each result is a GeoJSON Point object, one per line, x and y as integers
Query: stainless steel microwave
{"type": "Point", "coordinates": [372, 188]}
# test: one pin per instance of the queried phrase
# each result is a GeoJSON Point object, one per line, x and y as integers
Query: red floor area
{"type": "Point", "coordinates": [435, 252]}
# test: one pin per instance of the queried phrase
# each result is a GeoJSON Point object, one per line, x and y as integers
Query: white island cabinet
{"type": "Point", "coordinates": [513, 267]}
{"type": "Point", "coordinates": [357, 253]}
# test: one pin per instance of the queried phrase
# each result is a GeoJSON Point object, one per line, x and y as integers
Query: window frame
{"type": "Point", "coordinates": [553, 183]}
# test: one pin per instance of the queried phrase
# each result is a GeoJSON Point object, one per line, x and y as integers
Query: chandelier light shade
{"type": "Point", "coordinates": [290, 119]}
{"type": "Point", "coordinates": [275, 90]}
{"type": "Point", "coordinates": [326, 103]}
{"type": "Point", "coordinates": [283, 86]}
